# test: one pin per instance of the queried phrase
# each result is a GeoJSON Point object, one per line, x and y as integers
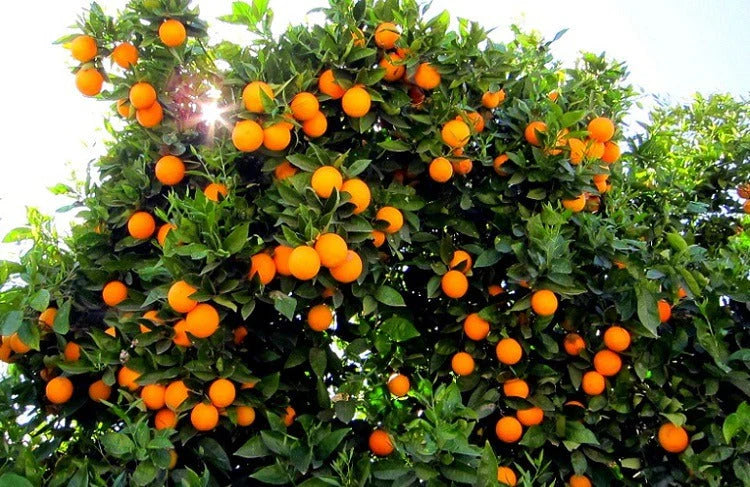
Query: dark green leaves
{"type": "Point", "coordinates": [61, 324]}
{"type": "Point", "coordinates": [389, 296]}
{"type": "Point", "coordinates": [648, 312]}
{"type": "Point", "coordinates": [399, 329]}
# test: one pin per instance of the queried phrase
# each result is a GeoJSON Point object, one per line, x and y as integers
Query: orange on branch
{"type": "Point", "coordinates": [304, 263]}
{"type": "Point", "coordinates": [380, 443]}
{"type": "Point", "coordinates": [172, 33]}
{"type": "Point", "coordinates": [83, 48]}
{"type": "Point", "coordinates": [475, 327]}
{"type": "Point", "coordinates": [253, 95]}
{"type": "Point", "coordinates": [328, 85]}
{"type": "Point", "coordinates": [399, 385]}
{"type": "Point", "coordinates": [508, 351]}
{"type": "Point", "coordinates": [202, 321]}
{"type": "Point", "coordinates": [179, 299]}
{"type": "Point", "coordinates": [114, 293]}
{"type": "Point", "coordinates": [462, 364]}
{"type": "Point", "coordinates": [427, 77]}
{"type": "Point", "coordinates": [359, 193]}
{"type": "Point", "coordinates": [222, 393]}
{"type": "Point", "coordinates": [89, 81]}
{"type": "Point", "coordinates": [320, 317]}
{"type": "Point", "coordinates": [125, 55]}
{"type": "Point", "coordinates": [356, 102]}
{"type": "Point", "coordinates": [169, 170]}
{"type": "Point", "coordinates": [331, 249]}
{"type": "Point", "coordinates": [325, 179]}
{"type": "Point", "coordinates": [350, 270]}
{"type": "Point", "coordinates": [141, 225]}
{"type": "Point", "coordinates": [304, 106]}
{"type": "Point", "coordinates": [263, 266]}
{"type": "Point", "coordinates": [454, 284]}
{"type": "Point", "coordinates": [59, 390]}
{"type": "Point", "coordinates": [508, 429]}
{"type": "Point", "coordinates": [386, 35]}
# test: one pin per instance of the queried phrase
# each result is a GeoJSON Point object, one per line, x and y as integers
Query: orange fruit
{"type": "Point", "coordinates": [123, 107]}
{"type": "Point", "coordinates": [304, 262]}
{"type": "Point", "coordinates": [380, 443]}
{"type": "Point", "coordinates": [304, 106]}
{"type": "Point", "coordinates": [252, 98]}
{"type": "Point", "coordinates": [441, 170]}
{"type": "Point", "coordinates": [358, 37]}
{"type": "Point", "coordinates": [202, 321]}
{"type": "Point", "coordinates": [577, 150]}
{"type": "Point", "coordinates": [172, 33]}
{"type": "Point", "coordinates": [492, 99]}
{"type": "Point", "coordinates": [574, 344]}
{"type": "Point", "coordinates": [386, 35]}
{"type": "Point", "coordinates": [553, 95]}
{"type": "Point", "coordinates": [99, 391]}
{"type": "Point", "coordinates": [289, 415]}
{"type": "Point", "coordinates": [461, 260]}
{"type": "Point", "coordinates": [399, 385]}
{"type": "Point", "coordinates": [247, 135]}
{"type": "Point", "coordinates": [462, 364]}
{"type": "Point", "coordinates": [111, 331]}
{"type": "Point", "coordinates": [350, 270]}
{"type": "Point", "coordinates": [681, 293]}
{"type": "Point", "coordinates": [204, 417]}
{"type": "Point", "coordinates": [617, 338]}
{"type": "Point", "coordinates": [475, 327]}
{"type": "Point", "coordinates": [495, 290]}
{"type": "Point", "coordinates": [665, 310]}
{"type": "Point", "coordinates": [316, 126]}
{"type": "Point", "coordinates": [320, 317]}
{"type": "Point", "coordinates": [284, 170]}
{"type": "Point", "coordinates": [222, 393]}
{"type": "Point", "coordinates": [239, 334]}
{"type": "Point", "coordinates": [172, 460]}
{"type": "Point", "coordinates": [506, 476]}
{"type": "Point", "coordinates": [426, 77]}
{"type": "Point", "coordinates": [594, 149]}
{"type": "Point", "coordinates": [47, 317]}
{"type": "Point", "coordinates": [5, 350]}
{"type": "Point", "coordinates": [59, 390]}
{"type": "Point", "coordinates": [611, 152]}
{"type": "Point", "coordinates": [89, 81]}
{"type": "Point", "coordinates": [508, 351]}
{"type": "Point", "coordinates": [213, 190]}
{"type": "Point", "coordinates": [579, 481]}
{"type": "Point", "coordinates": [532, 130]}
{"type": "Point", "coordinates": [141, 225]}
{"type": "Point", "coordinates": [601, 129]}
{"type": "Point", "coordinates": [276, 137]}
{"type": "Point", "coordinates": [153, 396]}
{"type": "Point", "coordinates": [281, 259]}
{"type": "Point", "coordinates": [127, 378]}
{"type": "Point", "coordinates": [178, 297]}
{"type": "Point", "coordinates": [150, 117]}
{"type": "Point", "coordinates": [328, 292]}
{"type": "Point", "coordinates": [462, 167]}
{"type": "Point", "coordinates": [72, 352]}
{"type": "Point", "coordinates": [455, 133]}
{"type": "Point", "coordinates": [392, 216]}
{"type": "Point", "coordinates": [264, 266]}
{"type": "Point", "coordinates": [161, 235]}
{"type": "Point", "coordinates": [508, 429]}
{"type": "Point", "coordinates": [473, 119]}
{"type": "Point", "coordinates": [175, 394]}
{"type": "Point", "coordinates": [245, 415]}
{"type": "Point", "coordinates": [169, 170]}
{"type": "Point", "coordinates": [83, 48]}
{"type": "Point", "coordinates": [576, 204]}
{"type": "Point", "coordinates": [531, 416]}
{"type": "Point", "coordinates": [327, 84]}
{"type": "Point", "coordinates": [516, 388]}
{"type": "Point", "coordinates": [544, 302]}
{"type": "Point", "coordinates": [165, 419]}
{"type": "Point", "coordinates": [394, 71]}
{"type": "Point", "coordinates": [325, 179]}
{"type": "Point", "coordinates": [746, 207]}
{"type": "Point", "coordinates": [356, 102]}
{"type": "Point", "coordinates": [125, 55]}
{"type": "Point", "coordinates": [600, 181]}
{"type": "Point", "coordinates": [454, 284]}
{"type": "Point", "coordinates": [331, 249]}
{"type": "Point", "coordinates": [743, 190]}
{"type": "Point", "coordinates": [359, 193]}
{"type": "Point", "coordinates": [142, 95]}
{"type": "Point", "coordinates": [673, 438]}
{"type": "Point", "coordinates": [607, 363]}
{"type": "Point", "coordinates": [378, 238]}
{"type": "Point", "coordinates": [17, 345]}
{"type": "Point", "coordinates": [114, 293]}
{"type": "Point", "coordinates": [593, 383]}
{"type": "Point", "coordinates": [498, 163]}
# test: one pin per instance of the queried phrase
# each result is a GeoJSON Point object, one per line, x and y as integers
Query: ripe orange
{"type": "Point", "coordinates": [72, 352]}
{"type": "Point", "coordinates": [59, 390]}
{"type": "Point", "coordinates": [172, 33]}
{"type": "Point", "coordinates": [181, 338]}
{"type": "Point", "coordinates": [222, 393]}
{"type": "Point", "coordinates": [553, 95]}
{"type": "Point", "coordinates": [316, 126]}
{"type": "Point", "coordinates": [617, 338]}
{"type": "Point", "coordinates": [123, 107]}
{"type": "Point", "coordinates": [743, 190]}
{"type": "Point", "coordinates": [350, 270]}
{"type": "Point", "coordinates": [125, 55]}
{"type": "Point", "coordinates": [454, 284]}
{"type": "Point", "coordinates": [327, 84]}
{"type": "Point", "coordinates": [498, 163]}
{"type": "Point", "coordinates": [245, 415]}
{"type": "Point", "coordinates": [579, 481]}
{"type": "Point", "coordinates": [356, 102]}
{"type": "Point", "coordinates": [17, 345]}
{"type": "Point", "coordinates": [161, 235]}
{"type": "Point", "coordinates": [204, 417]}
{"type": "Point", "coordinates": [380, 443]}
{"type": "Point", "coordinates": [213, 190]}
{"type": "Point", "coordinates": [441, 170]}
{"type": "Point", "coordinates": [506, 476]}
{"type": "Point", "coordinates": [276, 137]}
{"type": "Point", "coordinates": [111, 331]}
{"type": "Point", "coordinates": [600, 181]}
{"type": "Point", "coordinates": [530, 416]}
{"type": "Point", "coordinates": [47, 317]}
{"type": "Point", "coordinates": [473, 119]}
{"type": "Point", "coordinates": [594, 149]}
{"type": "Point", "coordinates": [681, 293]}
{"type": "Point", "coordinates": [165, 419]}
{"type": "Point", "coordinates": [202, 321]}
{"type": "Point", "coordinates": [426, 77]}
{"type": "Point", "coordinates": [289, 415]}
{"type": "Point", "coordinates": [170, 170]}
{"type": "Point", "coordinates": [114, 293]}
{"type": "Point", "coordinates": [607, 363]}
{"type": "Point", "coordinates": [495, 290]}
{"type": "Point", "coordinates": [746, 207]}
{"type": "Point", "coordinates": [127, 378]}
{"type": "Point", "coordinates": [516, 388]}
{"type": "Point", "coordinates": [392, 216]}
{"type": "Point", "coordinates": [175, 394]}
{"type": "Point", "coordinates": [386, 35]}
{"type": "Point", "coordinates": [142, 95]}
{"type": "Point", "coordinates": [611, 152]}
{"type": "Point", "coordinates": [324, 179]}
{"type": "Point", "coordinates": [284, 170]}
{"type": "Point", "coordinates": [530, 133]}
{"type": "Point", "coordinates": [151, 116]}
{"type": "Point", "coordinates": [331, 249]}
{"type": "Point", "coordinates": [492, 99]}
{"type": "Point", "coordinates": [673, 438]}
{"type": "Point", "coordinates": [281, 259]}
{"type": "Point", "coordinates": [601, 129]}
{"type": "Point", "coordinates": [178, 297]}
{"type": "Point", "coordinates": [508, 429]}
{"type": "Point", "coordinates": [99, 391]}
{"type": "Point", "coordinates": [320, 317]}
{"type": "Point", "coordinates": [239, 334]}
{"type": "Point", "coordinates": [574, 344]}
{"type": "Point", "coordinates": [141, 225]}
{"type": "Point", "coordinates": [304, 263]}
{"type": "Point", "coordinates": [665, 310]}
{"type": "Point", "coordinates": [264, 266]}
{"type": "Point", "coordinates": [252, 98]}
{"type": "Point", "coordinates": [461, 260]}
{"type": "Point", "coordinates": [399, 385]}
{"type": "Point", "coordinates": [247, 135]}
{"type": "Point", "coordinates": [475, 327]}
{"type": "Point", "coordinates": [455, 133]}
{"type": "Point", "coordinates": [172, 460]}
{"type": "Point", "coordinates": [89, 81]}
{"type": "Point", "coordinates": [394, 70]}
{"type": "Point", "coordinates": [576, 204]}
{"type": "Point", "coordinates": [577, 150]}
{"type": "Point", "coordinates": [462, 364]}
{"type": "Point", "coordinates": [5, 350]}
{"type": "Point", "coordinates": [359, 193]}
{"type": "Point", "coordinates": [593, 383]}
{"type": "Point", "coordinates": [83, 48]}
{"type": "Point", "coordinates": [544, 302]}
{"type": "Point", "coordinates": [508, 351]}
{"type": "Point", "coordinates": [378, 238]}
{"type": "Point", "coordinates": [153, 396]}
{"type": "Point", "coordinates": [304, 106]}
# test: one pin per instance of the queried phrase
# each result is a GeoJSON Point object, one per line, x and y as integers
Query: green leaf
{"type": "Point", "coordinates": [286, 305]}
{"type": "Point", "coordinates": [330, 442]}
{"type": "Point", "coordinates": [12, 322]}
{"type": "Point", "coordinates": [13, 480]}
{"type": "Point", "coordinates": [357, 167]}
{"type": "Point", "coordinates": [571, 118]}
{"type": "Point", "coordinates": [488, 258]}
{"type": "Point", "coordinates": [394, 145]}
{"type": "Point", "coordinates": [272, 474]}
{"type": "Point", "coordinates": [253, 448]}
{"type": "Point", "coordinates": [575, 431]}
{"type": "Point", "coordinates": [61, 324]}
{"type": "Point", "coordinates": [344, 410]}
{"type": "Point", "coordinates": [303, 162]}
{"type": "Point", "coordinates": [677, 242]}
{"type": "Point", "coordinates": [144, 473]}
{"type": "Point", "coordinates": [236, 240]}
{"type": "Point", "coordinates": [399, 329]}
{"type": "Point", "coordinates": [40, 300]}
{"type": "Point", "coordinates": [117, 444]}
{"type": "Point", "coordinates": [211, 451]}
{"type": "Point", "coordinates": [648, 312]}
{"type": "Point", "coordinates": [388, 295]}
{"type": "Point", "coordinates": [318, 361]}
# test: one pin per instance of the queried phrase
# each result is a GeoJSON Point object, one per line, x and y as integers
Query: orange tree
{"type": "Point", "coordinates": [377, 251]}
